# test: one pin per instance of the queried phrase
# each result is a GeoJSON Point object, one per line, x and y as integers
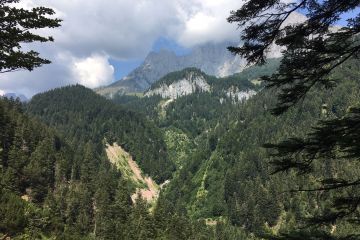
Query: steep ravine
{"type": "Point", "coordinates": [146, 187]}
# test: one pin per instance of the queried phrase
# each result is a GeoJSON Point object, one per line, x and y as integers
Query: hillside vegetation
{"type": "Point", "coordinates": [60, 179]}
{"type": "Point", "coordinates": [225, 173]}
{"type": "Point", "coordinates": [80, 115]}
{"type": "Point", "coordinates": [195, 113]}
{"type": "Point", "coordinates": [49, 188]}
{"type": "Point", "coordinates": [52, 188]}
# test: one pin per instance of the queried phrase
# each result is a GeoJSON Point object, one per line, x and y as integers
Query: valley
{"type": "Point", "coordinates": [209, 137]}
{"type": "Point", "coordinates": [193, 156]}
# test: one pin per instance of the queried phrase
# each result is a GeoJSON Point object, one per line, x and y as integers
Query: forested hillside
{"type": "Point", "coordinates": [180, 149]}
{"type": "Point", "coordinates": [195, 113]}
{"type": "Point", "coordinates": [224, 172]}
{"type": "Point", "coordinates": [56, 180]}
{"type": "Point", "coordinates": [33, 161]}
{"type": "Point", "coordinates": [52, 189]}
{"type": "Point", "coordinates": [82, 116]}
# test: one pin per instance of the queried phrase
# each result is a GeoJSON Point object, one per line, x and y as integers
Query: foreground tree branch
{"type": "Point", "coordinates": [313, 49]}
{"type": "Point", "coordinates": [16, 26]}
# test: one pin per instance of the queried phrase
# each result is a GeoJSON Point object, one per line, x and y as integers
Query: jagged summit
{"type": "Point", "coordinates": [213, 59]}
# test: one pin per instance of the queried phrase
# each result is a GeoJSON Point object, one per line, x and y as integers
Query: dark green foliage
{"type": "Point", "coordinates": [333, 141]}
{"type": "Point", "coordinates": [311, 235]}
{"type": "Point", "coordinates": [195, 113]}
{"type": "Point", "coordinates": [33, 160]}
{"type": "Point", "coordinates": [149, 106]}
{"type": "Point", "coordinates": [314, 50]}
{"type": "Point", "coordinates": [12, 213]}
{"type": "Point", "coordinates": [73, 193]}
{"type": "Point", "coordinates": [231, 164]}
{"type": "Point", "coordinates": [82, 116]}
{"type": "Point", "coordinates": [15, 29]}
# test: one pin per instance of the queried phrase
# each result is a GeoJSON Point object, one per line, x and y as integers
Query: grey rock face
{"type": "Point", "coordinates": [213, 59]}
{"type": "Point", "coordinates": [181, 87]}
{"type": "Point", "coordinates": [237, 95]}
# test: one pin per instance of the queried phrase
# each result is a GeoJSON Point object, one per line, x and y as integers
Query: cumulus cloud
{"type": "Point", "coordinates": [122, 29]}
{"type": "Point", "coordinates": [2, 92]}
{"type": "Point", "coordinates": [93, 71]}
{"type": "Point", "coordinates": [207, 23]}
{"type": "Point", "coordinates": [93, 32]}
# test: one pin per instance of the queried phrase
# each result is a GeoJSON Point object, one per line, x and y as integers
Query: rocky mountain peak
{"type": "Point", "coordinates": [178, 84]}
{"type": "Point", "coordinates": [212, 58]}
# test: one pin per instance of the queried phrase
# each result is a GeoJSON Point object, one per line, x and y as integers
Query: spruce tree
{"type": "Point", "coordinates": [16, 28]}
{"type": "Point", "coordinates": [312, 50]}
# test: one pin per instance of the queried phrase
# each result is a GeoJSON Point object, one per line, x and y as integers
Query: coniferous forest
{"type": "Point", "coordinates": [269, 152]}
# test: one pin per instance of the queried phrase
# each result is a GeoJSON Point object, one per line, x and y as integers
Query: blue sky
{"type": "Point", "coordinates": [123, 68]}
{"type": "Point", "coordinates": [348, 15]}
{"type": "Point", "coordinates": [99, 42]}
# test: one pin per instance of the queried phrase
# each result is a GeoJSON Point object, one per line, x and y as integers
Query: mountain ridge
{"type": "Point", "coordinates": [211, 58]}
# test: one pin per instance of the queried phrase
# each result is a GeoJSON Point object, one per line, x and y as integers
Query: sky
{"type": "Point", "coordinates": [124, 67]}
{"type": "Point", "coordinates": [99, 41]}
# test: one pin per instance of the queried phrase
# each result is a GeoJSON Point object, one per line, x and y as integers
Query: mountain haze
{"type": "Point", "coordinates": [214, 59]}
{"type": "Point", "coordinates": [211, 58]}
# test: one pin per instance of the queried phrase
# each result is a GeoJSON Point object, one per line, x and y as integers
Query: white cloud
{"type": "Point", "coordinates": [93, 71]}
{"type": "Point", "coordinates": [126, 28]}
{"type": "Point", "coordinates": [122, 29]}
{"type": "Point", "coordinates": [65, 69]}
{"type": "Point", "coordinates": [208, 23]}
{"type": "Point", "coordinates": [2, 92]}
{"type": "Point", "coordinates": [94, 31]}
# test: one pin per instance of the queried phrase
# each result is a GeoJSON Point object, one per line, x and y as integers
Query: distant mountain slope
{"type": "Point", "coordinates": [178, 84]}
{"type": "Point", "coordinates": [223, 170]}
{"type": "Point", "coordinates": [56, 188]}
{"type": "Point", "coordinates": [82, 115]}
{"type": "Point", "coordinates": [191, 80]}
{"type": "Point", "coordinates": [214, 59]}
{"type": "Point", "coordinates": [176, 100]}
{"type": "Point", "coordinates": [228, 173]}
{"type": "Point", "coordinates": [22, 97]}
{"type": "Point", "coordinates": [211, 58]}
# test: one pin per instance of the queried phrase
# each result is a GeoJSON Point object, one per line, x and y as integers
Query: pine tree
{"type": "Point", "coordinates": [16, 25]}
{"type": "Point", "coordinates": [313, 49]}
